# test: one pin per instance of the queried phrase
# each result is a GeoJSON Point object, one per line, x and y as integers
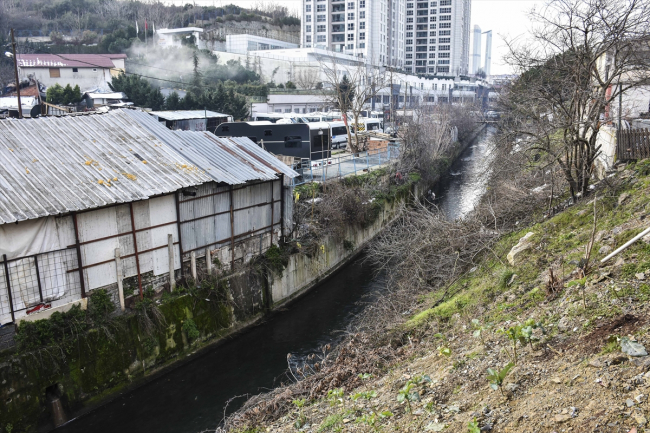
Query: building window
{"type": "Point", "coordinates": [308, 8]}
{"type": "Point", "coordinates": [444, 55]}
{"type": "Point", "coordinates": [409, 41]}
{"type": "Point", "coordinates": [55, 73]}
{"type": "Point", "coordinates": [443, 69]}
{"type": "Point", "coordinates": [409, 12]}
{"type": "Point", "coordinates": [75, 69]}
{"type": "Point", "coordinates": [445, 18]}
{"type": "Point", "coordinates": [432, 19]}
{"type": "Point", "coordinates": [409, 56]}
{"type": "Point", "coordinates": [445, 10]}
{"type": "Point", "coordinates": [321, 38]}
{"type": "Point", "coordinates": [350, 37]}
{"type": "Point", "coordinates": [350, 47]}
{"type": "Point", "coordinates": [445, 47]}
{"type": "Point", "coordinates": [443, 62]}
{"type": "Point", "coordinates": [409, 19]}
{"type": "Point", "coordinates": [308, 18]}
{"type": "Point", "coordinates": [444, 33]}
{"type": "Point", "coordinates": [445, 25]}
{"type": "Point", "coordinates": [350, 5]}
{"type": "Point", "coordinates": [432, 11]}
{"type": "Point", "coordinates": [308, 38]}
{"type": "Point", "coordinates": [350, 26]}
{"type": "Point", "coordinates": [350, 16]}
{"type": "Point", "coordinates": [321, 8]}
{"type": "Point", "coordinates": [362, 45]}
{"type": "Point", "coordinates": [362, 25]}
{"type": "Point", "coordinates": [308, 28]}
{"type": "Point", "coordinates": [362, 15]}
{"type": "Point", "coordinates": [432, 55]}
{"type": "Point", "coordinates": [444, 87]}
{"type": "Point", "coordinates": [409, 34]}
{"type": "Point", "coordinates": [409, 27]}
{"type": "Point", "coordinates": [445, 40]}
{"type": "Point", "coordinates": [321, 28]}
{"type": "Point", "coordinates": [409, 5]}
{"type": "Point", "coordinates": [445, 3]}
{"type": "Point", "coordinates": [362, 36]}
{"type": "Point", "coordinates": [432, 41]}
{"type": "Point", "coordinates": [409, 49]}
{"type": "Point", "coordinates": [432, 26]}
{"type": "Point", "coordinates": [432, 62]}
{"type": "Point", "coordinates": [287, 110]}
{"type": "Point", "coordinates": [362, 4]}
{"type": "Point", "coordinates": [320, 18]}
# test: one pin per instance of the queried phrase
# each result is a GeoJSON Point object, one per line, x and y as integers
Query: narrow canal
{"type": "Point", "coordinates": [192, 397]}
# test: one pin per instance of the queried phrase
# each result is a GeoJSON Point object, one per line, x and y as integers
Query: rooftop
{"type": "Point", "coordinates": [231, 160]}
{"type": "Point", "coordinates": [68, 60]}
{"type": "Point", "coordinates": [187, 114]}
{"type": "Point", "coordinates": [55, 165]}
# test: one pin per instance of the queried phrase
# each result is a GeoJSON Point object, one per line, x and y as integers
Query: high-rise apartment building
{"type": "Point", "coordinates": [476, 50]}
{"type": "Point", "coordinates": [437, 37]}
{"type": "Point", "coordinates": [421, 37]}
{"type": "Point", "coordinates": [372, 29]}
{"type": "Point", "coordinates": [488, 53]}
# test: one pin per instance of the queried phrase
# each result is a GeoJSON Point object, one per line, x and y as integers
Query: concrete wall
{"type": "Point", "coordinates": [86, 78]}
{"type": "Point", "coordinates": [304, 272]}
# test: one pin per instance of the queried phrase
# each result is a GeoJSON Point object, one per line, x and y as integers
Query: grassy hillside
{"type": "Point", "coordinates": [568, 332]}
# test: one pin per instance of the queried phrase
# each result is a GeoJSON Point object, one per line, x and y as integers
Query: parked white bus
{"type": "Point", "coordinates": [366, 124]}
{"type": "Point", "coordinates": [339, 135]}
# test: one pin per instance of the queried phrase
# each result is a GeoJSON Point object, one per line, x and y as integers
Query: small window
{"type": "Point", "coordinates": [225, 128]}
{"type": "Point", "coordinates": [55, 73]}
{"type": "Point", "coordinates": [293, 141]}
{"type": "Point", "coordinates": [94, 69]}
{"type": "Point", "coordinates": [75, 69]}
{"type": "Point", "coordinates": [268, 132]}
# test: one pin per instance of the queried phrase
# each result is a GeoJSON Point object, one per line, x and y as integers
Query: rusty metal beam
{"type": "Point", "coordinates": [135, 248]}
{"type": "Point", "coordinates": [11, 303]}
{"type": "Point", "coordinates": [79, 262]}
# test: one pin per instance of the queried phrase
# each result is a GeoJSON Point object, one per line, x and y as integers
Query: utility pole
{"type": "Point", "coordinates": [13, 48]}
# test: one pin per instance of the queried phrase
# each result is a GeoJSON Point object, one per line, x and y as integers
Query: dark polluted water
{"type": "Point", "coordinates": [192, 397]}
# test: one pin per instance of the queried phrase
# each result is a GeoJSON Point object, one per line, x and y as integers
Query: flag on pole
{"type": "Point", "coordinates": [137, 30]}
{"type": "Point", "coordinates": [145, 26]}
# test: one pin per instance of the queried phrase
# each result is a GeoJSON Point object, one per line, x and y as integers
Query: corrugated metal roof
{"type": "Point", "coordinates": [50, 166]}
{"type": "Point", "coordinates": [187, 114]}
{"type": "Point", "coordinates": [232, 160]}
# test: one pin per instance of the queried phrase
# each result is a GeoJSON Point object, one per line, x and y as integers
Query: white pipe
{"type": "Point", "coordinates": [627, 244]}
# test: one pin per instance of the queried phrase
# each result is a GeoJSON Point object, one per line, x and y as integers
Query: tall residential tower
{"type": "Point", "coordinates": [476, 50]}
{"type": "Point", "coordinates": [422, 37]}
{"type": "Point", "coordinates": [488, 53]}
{"type": "Point", "coordinates": [372, 29]}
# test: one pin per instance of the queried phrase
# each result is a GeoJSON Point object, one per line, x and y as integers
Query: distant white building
{"type": "Point", "coordinates": [172, 37]}
{"type": "Point", "coordinates": [88, 71]}
{"type": "Point", "coordinates": [242, 44]}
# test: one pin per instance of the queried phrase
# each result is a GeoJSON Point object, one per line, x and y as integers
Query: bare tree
{"type": "Point", "coordinates": [583, 55]}
{"type": "Point", "coordinates": [350, 88]}
{"type": "Point", "coordinates": [307, 78]}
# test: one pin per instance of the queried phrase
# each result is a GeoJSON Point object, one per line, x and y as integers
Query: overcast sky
{"type": "Point", "coordinates": [506, 18]}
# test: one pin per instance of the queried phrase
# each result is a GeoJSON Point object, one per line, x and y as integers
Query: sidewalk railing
{"type": "Point", "coordinates": [337, 167]}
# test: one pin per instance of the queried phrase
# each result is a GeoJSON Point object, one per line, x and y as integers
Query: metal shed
{"type": "Point", "coordinates": [80, 190]}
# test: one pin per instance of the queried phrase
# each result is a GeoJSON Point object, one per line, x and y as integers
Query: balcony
{"type": "Point", "coordinates": [338, 28]}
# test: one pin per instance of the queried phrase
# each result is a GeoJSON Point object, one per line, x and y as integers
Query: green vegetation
{"type": "Point", "coordinates": [496, 377]}
{"type": "Point", "coordinates": [63, 95]}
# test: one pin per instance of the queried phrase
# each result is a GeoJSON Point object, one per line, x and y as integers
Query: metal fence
{"type": "Point", "coordinates": [633, 144]}
{"type": "Point", "coordinates": [29, 282]}
{"type": "Point", "coordinates": [335, 168]}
